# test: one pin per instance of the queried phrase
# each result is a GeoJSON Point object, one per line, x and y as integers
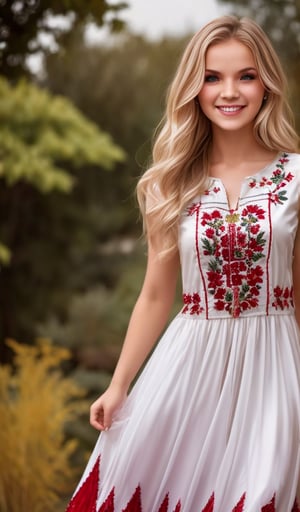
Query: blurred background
{"type": "Point", "coordinates": [82, 88]}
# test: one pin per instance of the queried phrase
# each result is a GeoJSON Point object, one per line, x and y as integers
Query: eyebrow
{"type": "Point", "coordinates": [240, 71]}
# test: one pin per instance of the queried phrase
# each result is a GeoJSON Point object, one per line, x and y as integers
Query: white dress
{"type": "Point", "coordinates": [213, 422]}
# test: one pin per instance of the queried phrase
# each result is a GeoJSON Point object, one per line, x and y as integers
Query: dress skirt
{"type": "Point", "coordinates": [212, 424]}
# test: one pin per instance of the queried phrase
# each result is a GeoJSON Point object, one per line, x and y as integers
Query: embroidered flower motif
{"type": "Point", "coordinates": [283, 298]}
{"type": "Point", "coordinates": [215, 190]}
{"type": "Point", "coordinates": [278, 180]}
{"type": "Point", "coordinates": [192, 304]}
{"type": "Point", "coordinates": [251, 213]}
{"type": "Point", "coordinates": [235, 245]}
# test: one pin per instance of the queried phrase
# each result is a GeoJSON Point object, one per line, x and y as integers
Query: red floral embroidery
{"type": "Point", "coordinates": [283, 298]}
{"type": "Point", "coordinates": [192, 304]}
{"type": "Point", "coordinates": [235, 244]}
{"type": "Point", "coordinates": [278, 180]}
{"type": "Point", "coordinates": [193, 209]}
{"type": "Point", "coordinates": [215, 190]}
{"type": "Point", "coordinates": [234, 278]}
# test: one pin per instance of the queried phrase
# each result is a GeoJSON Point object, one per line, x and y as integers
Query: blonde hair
{"type": "Point", "coordinates": [184, 137]}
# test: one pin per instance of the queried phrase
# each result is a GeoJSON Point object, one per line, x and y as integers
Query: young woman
{"type": "Point", "coordinates": [213, 422]}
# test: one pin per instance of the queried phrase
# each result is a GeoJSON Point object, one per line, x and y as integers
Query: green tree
{"type": "Point", "coordinates": [22, 21]}
{"type": "Point", "coordinates": [44, 144]}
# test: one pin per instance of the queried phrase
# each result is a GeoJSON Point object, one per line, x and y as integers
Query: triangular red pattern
{"type": "Point", "coordinates": [296, 506]}
{"type": "Point", "coordinates": [108, 505]}
{"type": "Point", "coordinates": [165, 504]}
{"type": "Point", "coordinates": [240, 505]}
{"type": "Point", "coordinates": [86, 497]}
{"type": "Point", "coordinates": [178, 507]}
{"type": "Point", "coordinates": [135, 504]}
{"type": "Point", "coordinates": [209, 507]}
{"type": "Point", "coordinates": [270, 507]}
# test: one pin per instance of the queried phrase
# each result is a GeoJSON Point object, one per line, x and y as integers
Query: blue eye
{"type": "Point", "coordinates": [211, 78]}
{"type": "Point", "coordinates": [248, 76]}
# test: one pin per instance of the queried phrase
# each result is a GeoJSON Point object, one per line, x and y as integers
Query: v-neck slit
{"type": "Point", "coordinates": [236, 204]}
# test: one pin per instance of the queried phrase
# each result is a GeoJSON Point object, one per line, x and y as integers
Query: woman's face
{"type": "Point", "coordinates": [232, 93]}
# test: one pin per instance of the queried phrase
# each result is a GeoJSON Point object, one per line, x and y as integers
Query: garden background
{"type": "Point", "coordinates": [76, 125]}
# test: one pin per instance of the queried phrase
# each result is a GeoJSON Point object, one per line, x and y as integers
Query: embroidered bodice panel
{"type": "Point", "coordinates": [239, 262]}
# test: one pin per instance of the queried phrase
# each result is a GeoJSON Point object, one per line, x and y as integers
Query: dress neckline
{"type": "Point", "coordinates": [256, 173]}
{"type": "Point", "coordinates": [235, 206]}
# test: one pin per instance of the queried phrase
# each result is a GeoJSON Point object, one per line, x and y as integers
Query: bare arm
{"type": "Point", "coordinates": [296, 275]}
{"type": "Point", "coordinates": [147, 321]}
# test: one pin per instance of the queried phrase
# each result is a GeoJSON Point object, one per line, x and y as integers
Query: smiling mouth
{"type": "Point", "coordinates": [233, 108]}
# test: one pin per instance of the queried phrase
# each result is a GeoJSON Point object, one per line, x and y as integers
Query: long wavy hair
{"type": "Point", "coordinates": [179, 168]}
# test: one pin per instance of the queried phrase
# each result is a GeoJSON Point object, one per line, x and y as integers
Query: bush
{"type": "Point", "coordinates": [36, 401]}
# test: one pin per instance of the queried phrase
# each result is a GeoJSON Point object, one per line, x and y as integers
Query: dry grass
{"type": "Point", "coordinates": [36, 401]}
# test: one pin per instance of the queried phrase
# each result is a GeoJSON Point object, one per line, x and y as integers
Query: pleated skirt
{"type": "Point", "coordinates": [211, 425]}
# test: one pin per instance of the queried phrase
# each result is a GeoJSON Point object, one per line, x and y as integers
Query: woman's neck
{"type": "Point", "coordinates": [234, 148]}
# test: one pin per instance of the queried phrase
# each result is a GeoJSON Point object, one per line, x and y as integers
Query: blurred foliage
{"type": "Point", "coordinates": [97, 319]}
{"type": "Point", "coordinates": [36, 401]}
{"type": "Point", "coordinates": [42, 134]}
{"type": "Point", "coordinates": [5, 255]}
{"type": "Point", "coordinates": [281, 21]}
{"type": "Point", "coordinates": [45, 142]}
{"type": "Point", "coordinates": [23, 21]}
{"type": "Point", "coordinates": [121, 87]}
{"type": "Point", "coordinates": [62, 244]}
{"type": "Point", "coordinates": [279, 18]}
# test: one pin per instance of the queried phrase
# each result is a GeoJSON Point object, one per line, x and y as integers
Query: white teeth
{"type": "Point", "coordinates": [229, 109]}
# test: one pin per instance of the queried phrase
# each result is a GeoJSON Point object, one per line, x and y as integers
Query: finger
{"type": "Point", "coordinates": [107, 419]}
{"type": "Point", "coordinates": [97, 417]}
{"type": "Point", "coordinates": [97, 425]}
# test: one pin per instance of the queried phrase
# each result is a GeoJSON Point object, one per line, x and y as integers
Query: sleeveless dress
{"type": "Point", "coordinates": [213, 422]}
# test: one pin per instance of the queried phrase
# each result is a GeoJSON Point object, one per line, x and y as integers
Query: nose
{"type": "Point", "coordinates": [229, 90]}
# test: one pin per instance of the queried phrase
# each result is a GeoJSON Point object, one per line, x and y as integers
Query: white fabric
{"type": "Point", "coordinates": [216, 409]}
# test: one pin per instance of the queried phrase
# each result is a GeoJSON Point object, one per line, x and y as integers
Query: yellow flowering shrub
{"type": "Point", "coordinates": [36, 401]}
